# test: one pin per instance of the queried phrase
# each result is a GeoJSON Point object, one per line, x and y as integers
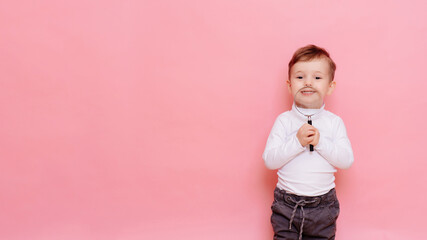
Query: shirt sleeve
{"type": "Point", "coordinates": [336, 151]}
{"type": "Point", "coordinates": [281, 147]}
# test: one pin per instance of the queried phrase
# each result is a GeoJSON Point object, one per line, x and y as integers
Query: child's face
{"type": "Point", "coordinates": [314, 76]}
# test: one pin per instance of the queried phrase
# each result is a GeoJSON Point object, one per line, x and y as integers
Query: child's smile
{"type": "Point", "coordinates": [307, 91]}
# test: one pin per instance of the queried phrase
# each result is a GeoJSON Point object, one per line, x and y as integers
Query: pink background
{"type": "Point", "coordinates": [147, 120]}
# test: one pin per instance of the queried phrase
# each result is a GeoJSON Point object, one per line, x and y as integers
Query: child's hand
{"type": "Point", "coordinates": [308, 134]}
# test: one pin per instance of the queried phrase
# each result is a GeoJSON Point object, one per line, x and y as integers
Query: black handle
{"type": "Point", "coordinates": [311, 146]}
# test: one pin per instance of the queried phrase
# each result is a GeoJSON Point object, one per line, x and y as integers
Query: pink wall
{"type": "Point", "coordinates": [131, 120]}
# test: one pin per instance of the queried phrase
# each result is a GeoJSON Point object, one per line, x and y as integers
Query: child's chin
{"type": "Point", "coordinates": [309, 104]}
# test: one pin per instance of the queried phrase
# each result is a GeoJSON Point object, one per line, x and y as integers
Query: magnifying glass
{"type": "Point", "coordinates": [308, 102]}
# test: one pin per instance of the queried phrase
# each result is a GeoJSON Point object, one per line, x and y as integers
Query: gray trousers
{"type": "Point", "coordinates": [297, 217]}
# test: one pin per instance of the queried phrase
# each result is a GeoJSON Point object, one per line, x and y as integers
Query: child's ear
{"type": "Point", "coordinates": [331, 87]}
{"type": "Point", "coordinates": [288, 83]}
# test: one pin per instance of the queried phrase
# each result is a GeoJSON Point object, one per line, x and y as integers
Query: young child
{"type": "Point", "coordinates": [305, 204]}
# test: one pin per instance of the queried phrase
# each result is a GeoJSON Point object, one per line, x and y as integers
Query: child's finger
{"type": "Point", "coordinates": [310, 132]}
{"type": "Point", "coordinates": [309, 139]}
{"type": "Point", "coordinates": [311, 128]}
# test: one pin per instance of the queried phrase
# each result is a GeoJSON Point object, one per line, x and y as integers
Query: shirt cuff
{"type": "Point", "coordinates": [297, 144]}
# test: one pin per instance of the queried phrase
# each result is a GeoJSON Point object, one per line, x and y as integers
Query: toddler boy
{"type": "Point", "coordinates": [305, 204]}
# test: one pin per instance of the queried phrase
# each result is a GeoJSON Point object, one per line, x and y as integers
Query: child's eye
{"type": "Point", "coordinates": [299, 77]}
{"type": "Point", "coordinates": [318, 78]}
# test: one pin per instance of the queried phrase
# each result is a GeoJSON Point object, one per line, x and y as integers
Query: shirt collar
{"type": "Point", "coordinates": [303, 112]}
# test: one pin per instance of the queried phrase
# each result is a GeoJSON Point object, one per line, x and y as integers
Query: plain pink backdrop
{"type": "Point", "coordinates": [147, 119]}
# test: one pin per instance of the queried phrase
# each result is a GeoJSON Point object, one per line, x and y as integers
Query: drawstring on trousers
{"type": "Point", "coordinates": [301, 204]}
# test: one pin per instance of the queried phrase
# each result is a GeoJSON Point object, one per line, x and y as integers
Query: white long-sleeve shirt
{"type": "Point", "coordinates": [300, 171]}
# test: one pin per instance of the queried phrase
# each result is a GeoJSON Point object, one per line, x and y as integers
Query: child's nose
{"type": "Point", "coordinates": [308, 82]}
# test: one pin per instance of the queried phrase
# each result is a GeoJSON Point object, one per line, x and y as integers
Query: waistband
{"type": "Point", "coordinates": [282, 195]}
